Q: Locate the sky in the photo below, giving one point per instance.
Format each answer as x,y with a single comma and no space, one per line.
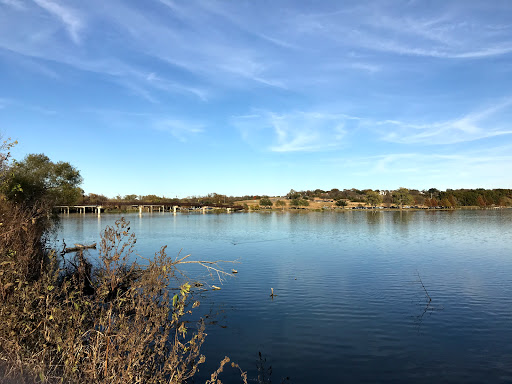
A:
184,98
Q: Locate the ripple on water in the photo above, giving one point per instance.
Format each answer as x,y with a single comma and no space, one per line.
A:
349,306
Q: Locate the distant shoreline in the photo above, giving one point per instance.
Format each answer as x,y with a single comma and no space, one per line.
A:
309,210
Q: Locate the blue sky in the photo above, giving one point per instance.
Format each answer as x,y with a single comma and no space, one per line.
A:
182,98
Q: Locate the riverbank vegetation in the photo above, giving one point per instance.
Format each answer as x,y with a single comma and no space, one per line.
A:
37,177
318,199
65,319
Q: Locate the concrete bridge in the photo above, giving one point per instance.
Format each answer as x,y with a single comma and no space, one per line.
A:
164,206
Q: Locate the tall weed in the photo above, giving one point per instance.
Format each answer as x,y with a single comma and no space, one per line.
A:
119,322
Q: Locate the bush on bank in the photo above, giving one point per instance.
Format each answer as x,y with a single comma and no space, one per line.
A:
61,320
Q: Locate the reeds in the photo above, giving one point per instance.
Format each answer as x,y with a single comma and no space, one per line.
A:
119,322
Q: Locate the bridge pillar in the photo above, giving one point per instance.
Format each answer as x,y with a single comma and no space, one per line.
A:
229,210
140,210
99,210
174,209
204,210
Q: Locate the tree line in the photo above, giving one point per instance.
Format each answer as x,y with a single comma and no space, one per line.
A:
432,197
37,178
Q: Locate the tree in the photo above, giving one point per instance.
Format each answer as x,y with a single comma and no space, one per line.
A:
481,201
445,203
419,200
402,197
151,198
373,198
433,192
505,201
293,195
266,202
334,193
452,200
36,178
299,202
5,157
93,198
341,203
281,204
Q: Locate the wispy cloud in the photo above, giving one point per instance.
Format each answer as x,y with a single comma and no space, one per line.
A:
98,54
16,4
204,48
166,85
473,126
485,167
294,132
461,168
452,30
446,34
180,129
68,17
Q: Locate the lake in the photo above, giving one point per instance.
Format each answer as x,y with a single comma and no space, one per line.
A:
352,291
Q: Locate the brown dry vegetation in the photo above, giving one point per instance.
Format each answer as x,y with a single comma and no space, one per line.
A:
313,204
117,323
64,321
120,325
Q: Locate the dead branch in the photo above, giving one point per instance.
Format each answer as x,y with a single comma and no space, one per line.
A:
425,289
79,247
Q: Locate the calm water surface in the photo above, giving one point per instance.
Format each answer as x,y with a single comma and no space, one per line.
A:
349,304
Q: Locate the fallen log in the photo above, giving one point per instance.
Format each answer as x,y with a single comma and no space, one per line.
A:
79,247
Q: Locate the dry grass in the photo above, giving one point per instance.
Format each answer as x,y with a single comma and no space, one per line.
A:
63,321
68,322
313,204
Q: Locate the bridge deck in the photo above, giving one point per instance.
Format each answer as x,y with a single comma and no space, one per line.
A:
113,204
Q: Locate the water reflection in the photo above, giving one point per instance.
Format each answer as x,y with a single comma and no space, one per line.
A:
426,305
402,217
345,298
374,217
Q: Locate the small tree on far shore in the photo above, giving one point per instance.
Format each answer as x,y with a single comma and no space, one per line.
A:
445,203
402,197
281,204
299,203
266,202
373,198
341,203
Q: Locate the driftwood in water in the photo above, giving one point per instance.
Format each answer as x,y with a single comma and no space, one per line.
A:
79,247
